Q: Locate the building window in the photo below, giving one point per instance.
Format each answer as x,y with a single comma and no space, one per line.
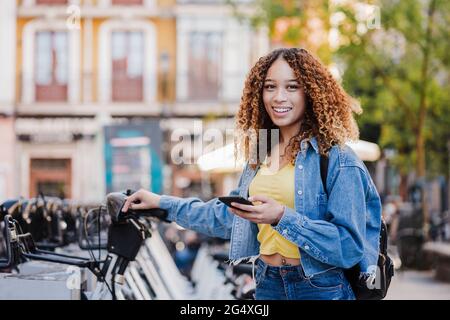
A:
51,73
127,65
126,2
205,53
51,2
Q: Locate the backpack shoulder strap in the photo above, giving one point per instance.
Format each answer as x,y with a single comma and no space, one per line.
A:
324,172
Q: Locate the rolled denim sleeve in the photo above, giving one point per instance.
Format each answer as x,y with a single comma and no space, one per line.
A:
338,241
211,218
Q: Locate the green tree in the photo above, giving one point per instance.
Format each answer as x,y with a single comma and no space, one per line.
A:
291,22
400,69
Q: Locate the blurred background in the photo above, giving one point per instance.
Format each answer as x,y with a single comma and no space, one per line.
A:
93,94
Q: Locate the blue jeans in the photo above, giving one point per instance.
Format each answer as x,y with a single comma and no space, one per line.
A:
290,283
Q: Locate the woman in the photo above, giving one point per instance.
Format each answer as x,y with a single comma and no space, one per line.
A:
301,235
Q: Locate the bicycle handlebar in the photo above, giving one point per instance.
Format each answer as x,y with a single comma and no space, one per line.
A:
115,202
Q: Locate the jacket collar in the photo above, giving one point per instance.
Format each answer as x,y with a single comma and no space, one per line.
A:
312,141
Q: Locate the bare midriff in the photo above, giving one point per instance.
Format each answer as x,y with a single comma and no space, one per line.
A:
277,260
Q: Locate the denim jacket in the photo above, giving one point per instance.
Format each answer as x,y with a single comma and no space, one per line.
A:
338,231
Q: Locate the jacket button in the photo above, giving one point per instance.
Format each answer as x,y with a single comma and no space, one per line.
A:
306,247
300,192
300,167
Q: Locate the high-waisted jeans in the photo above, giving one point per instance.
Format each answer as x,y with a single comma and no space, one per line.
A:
290,283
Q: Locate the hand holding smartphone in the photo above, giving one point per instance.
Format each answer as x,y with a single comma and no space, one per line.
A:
238,199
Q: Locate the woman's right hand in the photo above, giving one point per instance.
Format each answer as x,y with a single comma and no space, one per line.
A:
142,199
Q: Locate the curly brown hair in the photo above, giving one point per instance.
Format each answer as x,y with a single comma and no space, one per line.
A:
329,109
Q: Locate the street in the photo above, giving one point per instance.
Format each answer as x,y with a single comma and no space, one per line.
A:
417,285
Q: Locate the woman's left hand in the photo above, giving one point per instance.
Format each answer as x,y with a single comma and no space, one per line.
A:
269,211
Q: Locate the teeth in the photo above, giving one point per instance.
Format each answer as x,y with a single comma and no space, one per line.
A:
281,109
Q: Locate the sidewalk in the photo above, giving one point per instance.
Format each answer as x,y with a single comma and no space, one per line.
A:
417,285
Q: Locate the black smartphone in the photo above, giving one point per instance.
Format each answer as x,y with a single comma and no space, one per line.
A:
238,199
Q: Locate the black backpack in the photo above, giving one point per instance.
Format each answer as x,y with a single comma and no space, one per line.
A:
373,288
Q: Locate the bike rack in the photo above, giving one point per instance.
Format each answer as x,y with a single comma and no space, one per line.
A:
135,264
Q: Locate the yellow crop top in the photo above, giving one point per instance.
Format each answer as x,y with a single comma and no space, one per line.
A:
280,187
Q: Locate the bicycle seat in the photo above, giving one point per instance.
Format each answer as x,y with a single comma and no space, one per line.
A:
9,203
12,206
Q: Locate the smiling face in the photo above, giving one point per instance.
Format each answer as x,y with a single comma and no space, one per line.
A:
283,97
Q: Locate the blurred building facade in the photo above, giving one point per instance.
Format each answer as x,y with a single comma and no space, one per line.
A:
73,68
